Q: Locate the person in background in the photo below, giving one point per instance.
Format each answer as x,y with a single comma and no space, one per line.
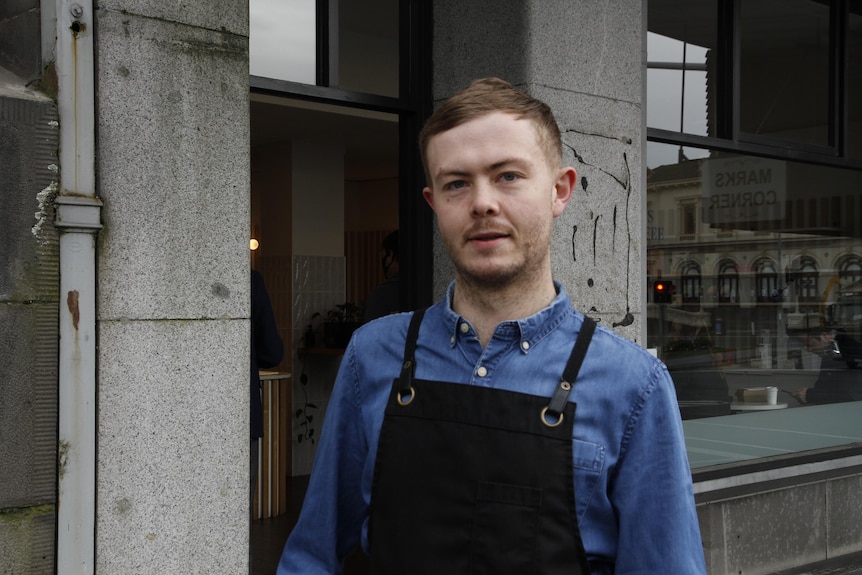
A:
267,351
384,299
500,430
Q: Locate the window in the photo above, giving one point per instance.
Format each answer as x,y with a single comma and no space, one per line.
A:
728,282
766,281
343,85
283,39
680,70
691,283
808,285
850,270
754,119
352,46
773,49
756,75
688,224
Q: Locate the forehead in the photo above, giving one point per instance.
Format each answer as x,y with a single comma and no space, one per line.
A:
487,138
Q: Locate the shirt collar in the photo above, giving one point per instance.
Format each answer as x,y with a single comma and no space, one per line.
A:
532,329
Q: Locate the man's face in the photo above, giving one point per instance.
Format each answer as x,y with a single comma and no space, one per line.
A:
496,194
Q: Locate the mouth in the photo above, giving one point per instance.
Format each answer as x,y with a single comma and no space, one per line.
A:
487,238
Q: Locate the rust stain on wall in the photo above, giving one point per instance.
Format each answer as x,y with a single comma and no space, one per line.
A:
72,304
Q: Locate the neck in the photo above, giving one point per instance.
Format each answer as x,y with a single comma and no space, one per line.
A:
486,307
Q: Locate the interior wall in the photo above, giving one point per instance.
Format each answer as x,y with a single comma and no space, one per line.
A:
371,205
318,199
318,276
271,217
371,213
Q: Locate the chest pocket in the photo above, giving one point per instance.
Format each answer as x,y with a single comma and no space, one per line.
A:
589,461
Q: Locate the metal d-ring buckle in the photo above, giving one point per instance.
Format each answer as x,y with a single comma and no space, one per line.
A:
407,377
409,400
549,423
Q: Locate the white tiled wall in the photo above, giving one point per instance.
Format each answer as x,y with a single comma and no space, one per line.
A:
318,285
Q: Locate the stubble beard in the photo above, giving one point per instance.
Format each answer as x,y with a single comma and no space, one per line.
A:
515,274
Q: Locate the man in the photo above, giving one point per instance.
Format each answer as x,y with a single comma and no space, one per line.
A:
384,299
495,450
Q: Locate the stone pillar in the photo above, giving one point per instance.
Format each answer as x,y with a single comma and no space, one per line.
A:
173,287
585,60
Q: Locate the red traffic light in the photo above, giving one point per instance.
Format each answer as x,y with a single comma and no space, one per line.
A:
662,291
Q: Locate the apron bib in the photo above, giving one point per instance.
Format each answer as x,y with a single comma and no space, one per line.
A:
473,480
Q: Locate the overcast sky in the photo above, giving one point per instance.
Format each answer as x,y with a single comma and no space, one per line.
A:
282,39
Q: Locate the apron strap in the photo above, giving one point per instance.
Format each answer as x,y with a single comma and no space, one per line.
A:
552,415
408,368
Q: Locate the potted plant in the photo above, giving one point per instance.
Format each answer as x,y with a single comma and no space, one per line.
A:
303,414
340,323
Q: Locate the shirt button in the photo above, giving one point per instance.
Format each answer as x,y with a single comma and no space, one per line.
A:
482,372
525,345
452,340
465,327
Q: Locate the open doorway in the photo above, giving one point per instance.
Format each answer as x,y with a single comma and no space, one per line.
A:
324,195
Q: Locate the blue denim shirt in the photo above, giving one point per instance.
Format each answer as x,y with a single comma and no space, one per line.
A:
633,490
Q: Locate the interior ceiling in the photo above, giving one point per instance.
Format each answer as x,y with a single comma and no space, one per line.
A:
370,140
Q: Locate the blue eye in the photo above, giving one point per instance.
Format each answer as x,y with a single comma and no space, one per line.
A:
509,177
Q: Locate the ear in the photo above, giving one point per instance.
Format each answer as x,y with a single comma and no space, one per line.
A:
566,179
429,196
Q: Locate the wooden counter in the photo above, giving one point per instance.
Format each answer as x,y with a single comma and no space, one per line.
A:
274,455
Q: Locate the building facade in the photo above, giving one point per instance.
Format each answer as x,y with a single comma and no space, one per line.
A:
153,141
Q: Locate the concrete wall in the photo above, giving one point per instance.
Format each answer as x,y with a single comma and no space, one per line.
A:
173,287
585,60
780,527
20,49
29,300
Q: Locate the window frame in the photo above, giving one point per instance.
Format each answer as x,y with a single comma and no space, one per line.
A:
729,137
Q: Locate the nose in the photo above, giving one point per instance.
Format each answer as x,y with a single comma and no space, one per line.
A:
484,200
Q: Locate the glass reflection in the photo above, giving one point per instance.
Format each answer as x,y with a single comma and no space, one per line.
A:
282,39
780,41
854,82
682,66
764,262
676,87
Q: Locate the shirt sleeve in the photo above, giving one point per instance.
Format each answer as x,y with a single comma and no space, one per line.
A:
652,490
333,511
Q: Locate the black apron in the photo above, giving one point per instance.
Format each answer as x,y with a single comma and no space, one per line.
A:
474,480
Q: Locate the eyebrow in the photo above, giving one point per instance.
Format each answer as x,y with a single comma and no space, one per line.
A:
456,172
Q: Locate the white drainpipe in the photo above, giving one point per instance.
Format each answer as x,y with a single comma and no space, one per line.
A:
78,214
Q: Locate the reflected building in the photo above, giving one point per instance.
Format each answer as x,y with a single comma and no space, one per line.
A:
758,252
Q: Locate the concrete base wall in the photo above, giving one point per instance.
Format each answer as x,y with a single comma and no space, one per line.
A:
783,528
29,278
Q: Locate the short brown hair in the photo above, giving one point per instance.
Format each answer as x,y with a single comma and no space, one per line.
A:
488,95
